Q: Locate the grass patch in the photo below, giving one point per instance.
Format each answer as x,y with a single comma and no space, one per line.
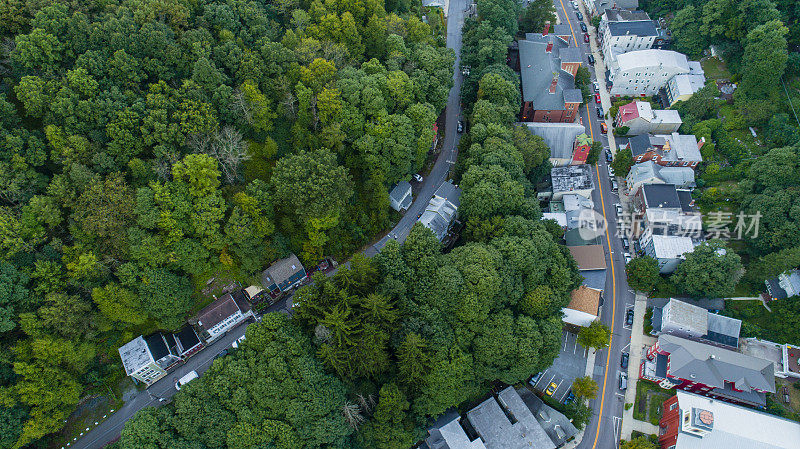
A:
715,68
649,398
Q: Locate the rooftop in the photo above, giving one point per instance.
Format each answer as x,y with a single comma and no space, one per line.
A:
643,143
653,58
595,279
558,136
713,366
538,68
736,427
505,422
584,299
557,426
281,270
604,5
442,209
589,257
685,315
572,201
401,193
134,355
680,176
663,196
623,15
217,311
571,178
637,28
683,147
670,246
573,237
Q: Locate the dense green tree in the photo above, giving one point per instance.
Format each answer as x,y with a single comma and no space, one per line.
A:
642,273
535,15
596,335
765,56
711,271
638,443
622,162
585,387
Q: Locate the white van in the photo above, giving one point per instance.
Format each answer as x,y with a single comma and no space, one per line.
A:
192,375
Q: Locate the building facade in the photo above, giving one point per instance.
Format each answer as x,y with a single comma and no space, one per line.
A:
221,316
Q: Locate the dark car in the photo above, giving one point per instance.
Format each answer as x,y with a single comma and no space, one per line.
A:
623,361
579,15
625,243
223,353
535,379
609,156
600,112
629,317
570,397
583,27
591,58
460,128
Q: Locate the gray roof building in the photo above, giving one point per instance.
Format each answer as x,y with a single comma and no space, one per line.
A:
690,321
400,196
540,67
624,15
505,422
639,28
603,5
442,210
663,196
557,426
572,178
283,274
560,137
714,366
785,285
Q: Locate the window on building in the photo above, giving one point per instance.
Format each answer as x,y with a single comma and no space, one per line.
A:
673,406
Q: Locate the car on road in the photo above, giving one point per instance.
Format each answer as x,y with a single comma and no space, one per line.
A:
192,375
222,353
610,172
614,185
600,112
627,257
625,243
603,128
609,156
583,28
590,57
623,381
579,15
460,127
597,98
629,317
596,86
551,389
586,37
623,361
418,177
618,208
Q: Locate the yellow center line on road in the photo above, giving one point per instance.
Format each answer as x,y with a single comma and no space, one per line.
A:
611,258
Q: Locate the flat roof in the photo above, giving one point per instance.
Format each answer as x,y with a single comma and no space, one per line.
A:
653,58
571,178
671,246
637,28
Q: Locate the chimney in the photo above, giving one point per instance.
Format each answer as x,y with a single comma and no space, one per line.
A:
700,144
546,30
554,83
549,47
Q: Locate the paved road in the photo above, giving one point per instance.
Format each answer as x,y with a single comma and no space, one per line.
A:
447,157
110,429
603,430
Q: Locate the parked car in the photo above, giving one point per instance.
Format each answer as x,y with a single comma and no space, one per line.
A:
579,15
609,156
623,361
625,243
603,128
418,177
618,208
535,379
610,172
570,397
551,389
586,37
222,353
583,27
192,375
460,127
596,86
597,98
613,185
574,4
629,317
600,112
623,381
627,257
590,57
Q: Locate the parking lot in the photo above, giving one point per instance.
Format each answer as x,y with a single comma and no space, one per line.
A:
569,365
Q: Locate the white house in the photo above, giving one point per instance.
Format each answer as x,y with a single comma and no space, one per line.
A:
623,36
645,72
682,87
400,197
668,250
442,210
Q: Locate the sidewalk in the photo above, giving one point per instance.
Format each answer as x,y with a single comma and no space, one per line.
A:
639,342
600,74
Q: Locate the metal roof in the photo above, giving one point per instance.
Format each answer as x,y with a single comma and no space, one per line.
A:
624,15
670,246
134,355
571,178
683,147
558,136
737,427
653,58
